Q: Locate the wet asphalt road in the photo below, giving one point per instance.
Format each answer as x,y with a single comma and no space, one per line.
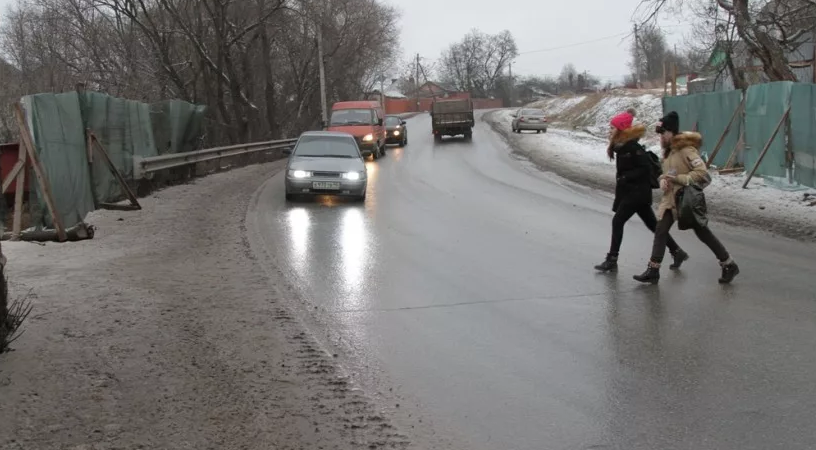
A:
465,283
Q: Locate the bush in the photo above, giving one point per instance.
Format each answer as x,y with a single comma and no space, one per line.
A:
12,314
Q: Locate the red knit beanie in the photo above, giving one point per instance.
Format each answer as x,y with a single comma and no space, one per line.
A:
622,121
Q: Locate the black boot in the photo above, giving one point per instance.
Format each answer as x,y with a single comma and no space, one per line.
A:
651,275
678,259
729,271
610,264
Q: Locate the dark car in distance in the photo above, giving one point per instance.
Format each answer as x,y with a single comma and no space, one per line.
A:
396,131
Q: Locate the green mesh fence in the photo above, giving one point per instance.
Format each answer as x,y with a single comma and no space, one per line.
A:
803,132
58,133
177,126
764,107
125,128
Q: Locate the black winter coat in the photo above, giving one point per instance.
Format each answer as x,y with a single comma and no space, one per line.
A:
633,187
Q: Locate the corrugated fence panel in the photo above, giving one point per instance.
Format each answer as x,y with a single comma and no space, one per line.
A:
803,132
764,107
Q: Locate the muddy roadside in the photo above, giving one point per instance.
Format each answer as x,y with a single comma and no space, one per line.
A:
721,207
162,332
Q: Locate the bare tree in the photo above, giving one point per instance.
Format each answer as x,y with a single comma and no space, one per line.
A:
567,76
767,29
477,63
253,63
648,52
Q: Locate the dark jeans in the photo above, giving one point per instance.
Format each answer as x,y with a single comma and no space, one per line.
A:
704,234
647,215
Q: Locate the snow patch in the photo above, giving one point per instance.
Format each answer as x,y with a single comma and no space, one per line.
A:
587,152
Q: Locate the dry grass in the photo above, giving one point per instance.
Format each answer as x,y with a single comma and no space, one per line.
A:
12,314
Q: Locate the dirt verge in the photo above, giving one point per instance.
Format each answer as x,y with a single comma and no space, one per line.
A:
163,332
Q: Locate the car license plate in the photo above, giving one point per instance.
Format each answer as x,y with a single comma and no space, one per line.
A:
325,185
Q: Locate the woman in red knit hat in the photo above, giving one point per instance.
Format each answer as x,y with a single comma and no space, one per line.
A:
633,189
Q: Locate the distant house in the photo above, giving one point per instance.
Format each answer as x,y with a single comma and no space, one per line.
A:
392,90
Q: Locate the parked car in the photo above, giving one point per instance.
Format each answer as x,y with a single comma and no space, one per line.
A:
396,130
364,121
529,119
326,162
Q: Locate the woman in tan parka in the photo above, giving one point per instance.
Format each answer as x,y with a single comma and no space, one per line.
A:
682,165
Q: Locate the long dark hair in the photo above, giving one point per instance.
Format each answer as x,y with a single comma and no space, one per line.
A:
610,150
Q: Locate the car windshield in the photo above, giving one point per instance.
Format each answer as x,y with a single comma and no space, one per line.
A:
352,117
532,112
327,147
392,121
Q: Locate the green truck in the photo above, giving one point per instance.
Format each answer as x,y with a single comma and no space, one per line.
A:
452,118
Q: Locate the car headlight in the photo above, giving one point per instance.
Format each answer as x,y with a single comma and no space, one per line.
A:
396,132
368,138
353,176
300,174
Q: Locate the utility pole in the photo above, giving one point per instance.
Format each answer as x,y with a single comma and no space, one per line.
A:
512,85
637,58
417,83
323,109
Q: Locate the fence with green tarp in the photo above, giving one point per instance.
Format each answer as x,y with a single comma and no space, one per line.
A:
791,153
803,133
177,126
709,114
125,128
59,136
764,107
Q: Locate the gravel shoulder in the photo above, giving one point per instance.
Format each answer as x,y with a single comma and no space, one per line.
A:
565,153
163,332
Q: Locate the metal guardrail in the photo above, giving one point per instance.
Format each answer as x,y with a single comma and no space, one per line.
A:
145,167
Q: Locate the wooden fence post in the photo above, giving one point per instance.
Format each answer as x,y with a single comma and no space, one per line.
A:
27,142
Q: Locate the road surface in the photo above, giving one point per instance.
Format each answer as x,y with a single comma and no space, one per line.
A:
464,290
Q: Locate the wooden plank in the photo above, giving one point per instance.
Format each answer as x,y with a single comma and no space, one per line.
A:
14,172
26,141
17,223
118,207
725,133
121,179
89,150
732,170
767,146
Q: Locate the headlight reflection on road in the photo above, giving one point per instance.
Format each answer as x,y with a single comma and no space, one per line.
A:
299,222
353,252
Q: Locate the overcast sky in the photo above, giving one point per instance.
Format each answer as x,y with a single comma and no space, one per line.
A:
429,26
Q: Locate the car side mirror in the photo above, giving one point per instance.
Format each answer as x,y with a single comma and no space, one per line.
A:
324,124
402,122
379,122
287,151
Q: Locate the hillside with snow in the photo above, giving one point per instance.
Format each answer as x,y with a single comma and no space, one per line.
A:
591,112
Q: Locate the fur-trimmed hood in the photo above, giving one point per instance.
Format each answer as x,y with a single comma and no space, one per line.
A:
632,133
687,139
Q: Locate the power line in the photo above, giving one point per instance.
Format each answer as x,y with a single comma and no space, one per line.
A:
576,44
625,34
